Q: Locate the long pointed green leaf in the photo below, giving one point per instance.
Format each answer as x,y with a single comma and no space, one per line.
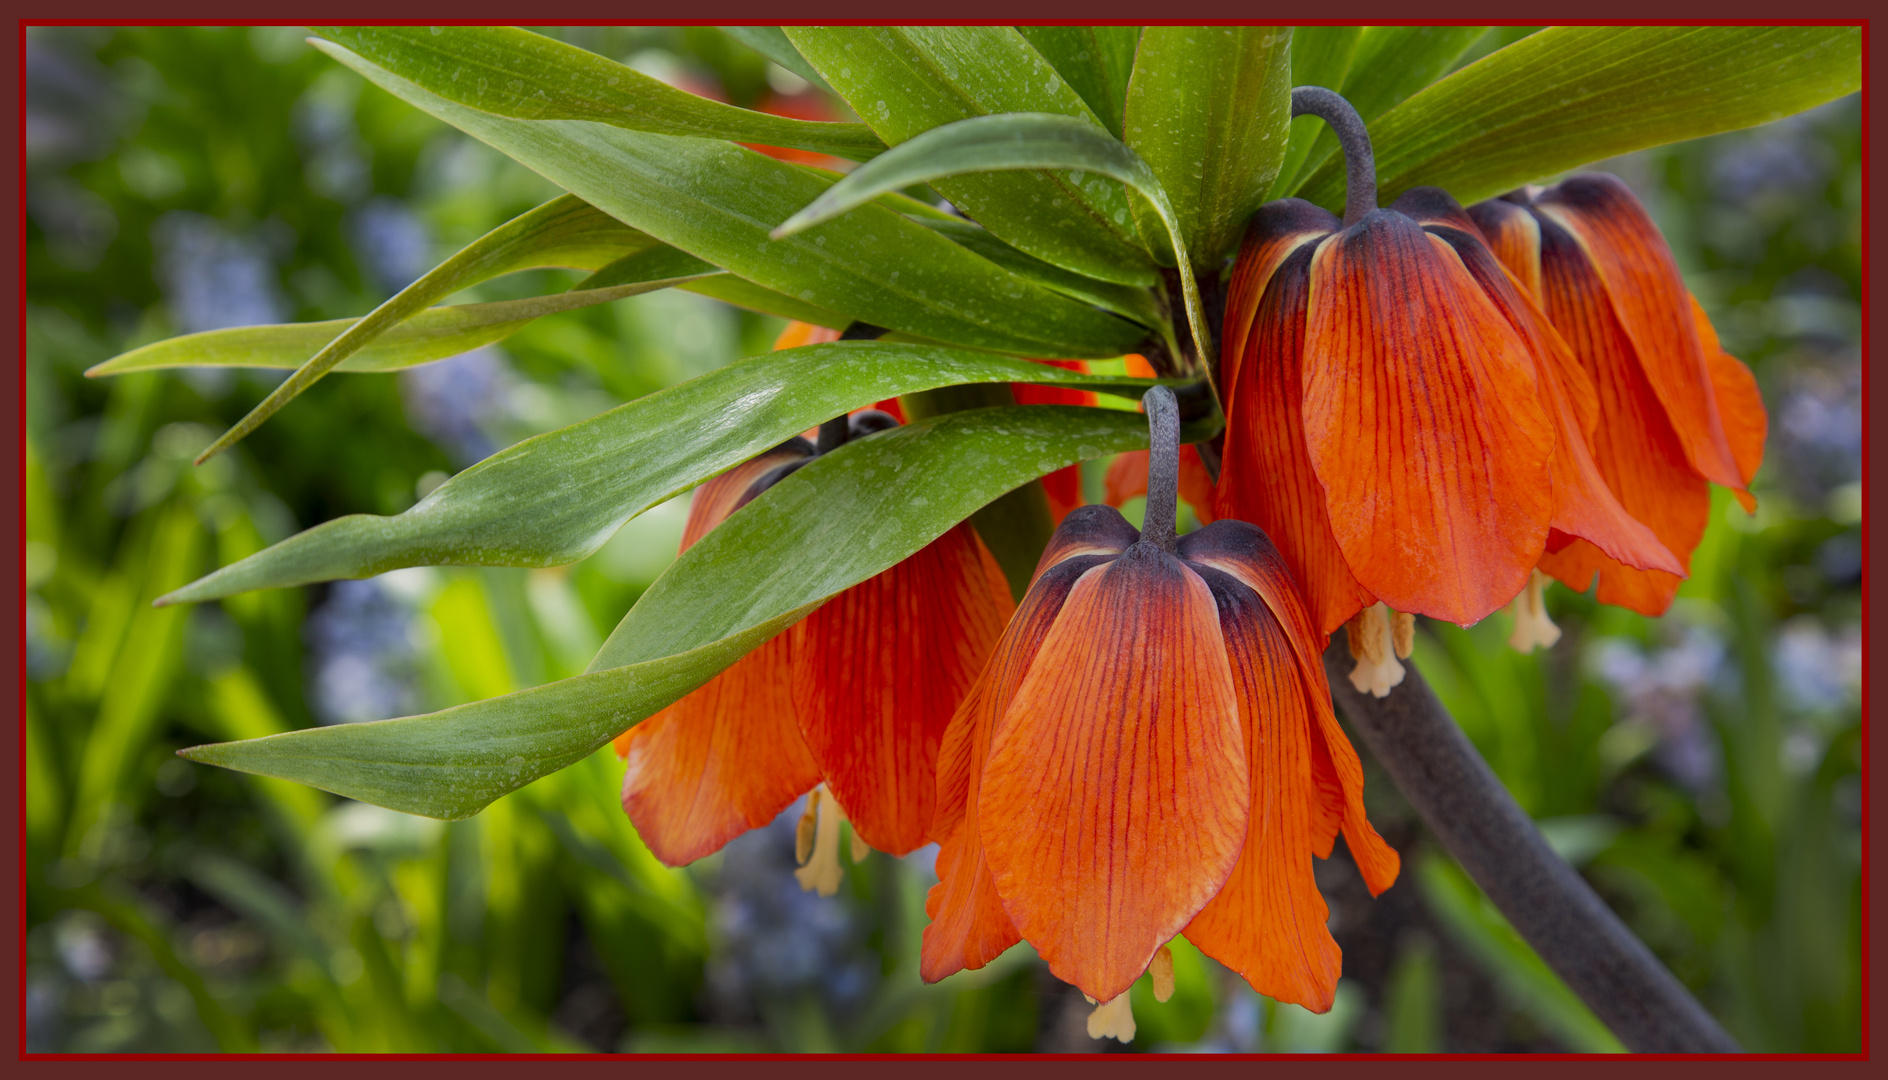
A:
433,334
905,80
1010,141
556,498
1096,61
845,517
1573,94
1209,110
1320,56
526,76
771,42
563,232
716,201
1390,64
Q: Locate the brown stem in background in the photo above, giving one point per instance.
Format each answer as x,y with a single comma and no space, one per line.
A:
1439,771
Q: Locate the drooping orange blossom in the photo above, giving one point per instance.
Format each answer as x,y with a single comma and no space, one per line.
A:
1673,412
1150,751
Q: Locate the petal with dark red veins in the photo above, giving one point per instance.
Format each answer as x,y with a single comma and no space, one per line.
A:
1115,798
1634,446
879,669
1276,231
1583,505
1746,421
1265,472
1429,206
1424,423
1247,554
1640,280
1268,922
969,927
725,759
1514,237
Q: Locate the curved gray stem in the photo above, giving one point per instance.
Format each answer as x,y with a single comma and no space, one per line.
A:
1158,523
1467,808
1360,165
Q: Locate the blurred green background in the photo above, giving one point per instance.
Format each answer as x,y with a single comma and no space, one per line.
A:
1702,769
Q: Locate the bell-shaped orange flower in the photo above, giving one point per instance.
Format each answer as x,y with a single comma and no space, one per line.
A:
1401,417
857,694
1672,412
1150,751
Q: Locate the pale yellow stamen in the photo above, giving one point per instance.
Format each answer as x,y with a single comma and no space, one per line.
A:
1532,628
816,843
1162,972
1373,645
1403,630
860,849
1112,1019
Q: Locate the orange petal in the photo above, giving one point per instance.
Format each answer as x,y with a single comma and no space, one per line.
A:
1583,505
1514,237
1424,422
725,759
1634,446
801,333
1746,422
714,500
1247,554
969,927
1268,922
1138,367
1265,473
1640,280
1115,799
877,672
1087,530
1279,228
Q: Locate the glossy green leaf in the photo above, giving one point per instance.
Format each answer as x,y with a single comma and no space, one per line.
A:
433,334
1390,64
905,80
1127,301
1095,60
526,76
563,232
717,201
771,42
1569,95
838,521
1010,141
556,498
1320,56
1208,109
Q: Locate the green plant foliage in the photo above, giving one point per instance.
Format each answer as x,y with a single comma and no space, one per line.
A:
1207,110
906,80
1096,60
556,498
711,199
1572,94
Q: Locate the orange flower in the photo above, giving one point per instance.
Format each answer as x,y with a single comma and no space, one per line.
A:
1671,411
856,694
1150,751
1402,418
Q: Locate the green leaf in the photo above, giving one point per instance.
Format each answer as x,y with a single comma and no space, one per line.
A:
1320,56
1390,64
526,76
556,498
716,201
1127,301
433,334
771,42
1208,110
841,519
1010,141
1095,60
1569,95
563,232
905,80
